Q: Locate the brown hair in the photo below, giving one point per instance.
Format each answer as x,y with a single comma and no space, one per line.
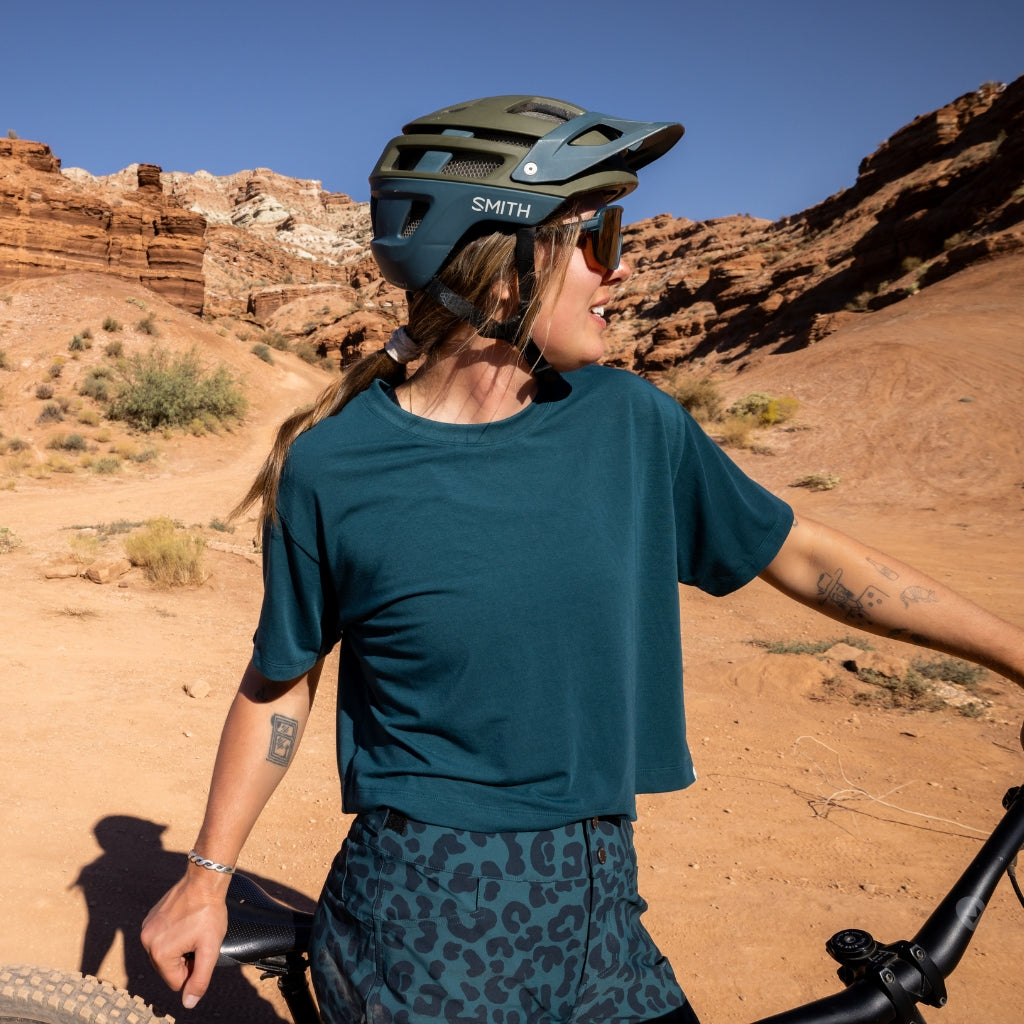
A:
476,273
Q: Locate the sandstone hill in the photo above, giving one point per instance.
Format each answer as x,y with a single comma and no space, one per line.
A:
837,811
256,251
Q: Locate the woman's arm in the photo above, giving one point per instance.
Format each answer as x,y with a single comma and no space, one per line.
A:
262,731
856,584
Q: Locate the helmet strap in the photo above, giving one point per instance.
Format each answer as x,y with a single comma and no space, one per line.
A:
502,330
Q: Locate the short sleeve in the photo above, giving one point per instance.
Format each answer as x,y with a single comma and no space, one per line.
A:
298,620
729,527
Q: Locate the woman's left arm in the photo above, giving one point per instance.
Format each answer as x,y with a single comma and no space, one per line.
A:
853,583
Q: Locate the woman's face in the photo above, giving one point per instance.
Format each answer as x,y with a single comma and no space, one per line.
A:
571,323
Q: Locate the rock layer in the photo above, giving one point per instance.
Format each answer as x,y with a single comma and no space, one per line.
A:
51,223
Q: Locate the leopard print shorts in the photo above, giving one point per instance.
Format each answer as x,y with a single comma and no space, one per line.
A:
419,923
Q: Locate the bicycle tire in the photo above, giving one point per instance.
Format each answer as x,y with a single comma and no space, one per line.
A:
34,995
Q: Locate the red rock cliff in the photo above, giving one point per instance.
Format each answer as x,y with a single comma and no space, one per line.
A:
50,224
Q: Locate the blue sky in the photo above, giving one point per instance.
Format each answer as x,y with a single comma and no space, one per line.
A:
780,98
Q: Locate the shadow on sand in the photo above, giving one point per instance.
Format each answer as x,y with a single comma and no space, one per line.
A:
121,885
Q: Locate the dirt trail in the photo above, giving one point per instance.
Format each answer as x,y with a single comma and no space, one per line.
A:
810,813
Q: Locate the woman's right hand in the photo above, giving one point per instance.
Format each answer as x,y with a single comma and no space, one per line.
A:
182,934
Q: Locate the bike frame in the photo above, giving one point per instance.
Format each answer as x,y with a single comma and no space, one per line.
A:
885,983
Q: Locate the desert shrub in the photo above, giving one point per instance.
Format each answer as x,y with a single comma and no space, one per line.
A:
952,670
80,342
17,444
114,349
97,384
912,691
169,556
52,413
767,410
811,646
5,362
8,540
88,417
158,389
111,326
275,339
44,391
817,481
263,352
698,396
735,431
58,464
105,465
67,443
147,325
311,352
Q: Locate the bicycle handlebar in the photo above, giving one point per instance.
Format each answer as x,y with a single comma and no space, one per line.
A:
886,982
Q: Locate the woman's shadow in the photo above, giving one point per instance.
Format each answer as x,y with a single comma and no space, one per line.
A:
121,885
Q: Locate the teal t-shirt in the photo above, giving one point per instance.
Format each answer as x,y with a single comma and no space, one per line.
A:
507,596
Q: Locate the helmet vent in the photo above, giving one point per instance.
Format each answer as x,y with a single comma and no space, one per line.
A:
544,111
417,211
470,167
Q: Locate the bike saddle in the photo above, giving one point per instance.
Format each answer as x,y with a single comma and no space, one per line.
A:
260,927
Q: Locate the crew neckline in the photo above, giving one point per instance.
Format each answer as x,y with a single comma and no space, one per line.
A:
382,402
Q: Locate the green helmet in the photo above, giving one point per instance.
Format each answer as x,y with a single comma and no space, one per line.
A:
497,164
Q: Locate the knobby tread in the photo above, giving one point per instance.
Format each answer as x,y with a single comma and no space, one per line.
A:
36,995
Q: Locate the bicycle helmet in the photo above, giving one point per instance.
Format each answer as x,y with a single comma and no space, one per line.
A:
496,164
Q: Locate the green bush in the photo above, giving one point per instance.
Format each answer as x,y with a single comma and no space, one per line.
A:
110,325
44,391
114,349
161,389
766,410
263,352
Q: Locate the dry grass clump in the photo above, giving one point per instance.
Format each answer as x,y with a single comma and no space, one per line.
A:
733,426
8,540
169,555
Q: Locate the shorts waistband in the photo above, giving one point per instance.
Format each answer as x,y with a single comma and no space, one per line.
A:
575,850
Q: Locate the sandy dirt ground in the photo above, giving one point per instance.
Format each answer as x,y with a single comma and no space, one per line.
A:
811,813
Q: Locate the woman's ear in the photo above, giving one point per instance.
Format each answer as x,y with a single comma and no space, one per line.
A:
507,296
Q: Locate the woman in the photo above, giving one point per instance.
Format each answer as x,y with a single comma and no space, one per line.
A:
498,539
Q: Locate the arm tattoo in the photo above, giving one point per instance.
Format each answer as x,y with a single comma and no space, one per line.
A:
283,733
889,574
918,595
855,607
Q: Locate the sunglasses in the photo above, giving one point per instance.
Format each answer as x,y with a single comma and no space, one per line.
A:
601,237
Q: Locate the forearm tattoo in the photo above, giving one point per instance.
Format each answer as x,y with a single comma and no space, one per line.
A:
854,607
283,734
911,595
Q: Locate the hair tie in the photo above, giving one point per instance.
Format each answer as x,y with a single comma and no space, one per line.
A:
401,347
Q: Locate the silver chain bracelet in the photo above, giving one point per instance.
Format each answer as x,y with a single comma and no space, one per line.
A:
210,865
